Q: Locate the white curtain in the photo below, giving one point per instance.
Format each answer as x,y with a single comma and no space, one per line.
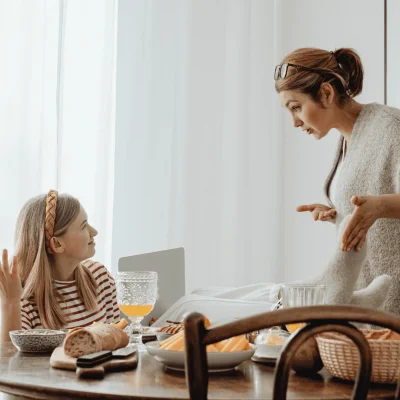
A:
198,154
57,107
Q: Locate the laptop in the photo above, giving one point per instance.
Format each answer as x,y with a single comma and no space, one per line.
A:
170,267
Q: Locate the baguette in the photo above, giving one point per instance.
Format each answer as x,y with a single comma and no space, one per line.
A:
95,338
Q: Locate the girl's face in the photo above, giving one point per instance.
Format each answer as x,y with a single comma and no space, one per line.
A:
78,241
308,115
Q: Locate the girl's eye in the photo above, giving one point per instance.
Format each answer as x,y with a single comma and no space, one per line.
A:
295,108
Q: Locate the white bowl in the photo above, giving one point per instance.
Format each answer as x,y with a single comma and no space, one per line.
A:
217,361
268,350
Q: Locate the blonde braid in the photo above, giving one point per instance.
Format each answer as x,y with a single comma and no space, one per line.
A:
50,218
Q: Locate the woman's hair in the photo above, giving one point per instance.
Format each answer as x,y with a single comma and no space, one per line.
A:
341,68
36,261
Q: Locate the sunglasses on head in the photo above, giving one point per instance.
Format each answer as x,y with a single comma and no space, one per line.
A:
282,69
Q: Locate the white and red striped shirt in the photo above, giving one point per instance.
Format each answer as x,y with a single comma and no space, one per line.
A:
73,307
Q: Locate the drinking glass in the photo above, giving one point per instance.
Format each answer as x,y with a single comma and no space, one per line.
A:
301,295
137,294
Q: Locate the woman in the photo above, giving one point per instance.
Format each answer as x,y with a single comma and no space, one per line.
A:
318,88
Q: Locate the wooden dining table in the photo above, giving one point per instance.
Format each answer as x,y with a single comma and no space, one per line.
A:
30,376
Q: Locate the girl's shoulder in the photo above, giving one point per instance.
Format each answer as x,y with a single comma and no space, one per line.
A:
98,270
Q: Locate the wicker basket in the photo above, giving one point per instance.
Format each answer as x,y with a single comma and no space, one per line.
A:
341,358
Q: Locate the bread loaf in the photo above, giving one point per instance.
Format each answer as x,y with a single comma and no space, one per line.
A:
95,338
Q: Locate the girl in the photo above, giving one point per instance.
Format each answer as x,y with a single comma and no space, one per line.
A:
61,287
318,87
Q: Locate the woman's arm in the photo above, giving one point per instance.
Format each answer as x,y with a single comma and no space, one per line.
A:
10,319
389,206
10,295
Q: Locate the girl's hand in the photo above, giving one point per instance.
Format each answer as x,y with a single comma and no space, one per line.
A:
10,282
320,212
367,211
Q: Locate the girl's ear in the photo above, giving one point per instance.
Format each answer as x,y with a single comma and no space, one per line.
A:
56,245
327,94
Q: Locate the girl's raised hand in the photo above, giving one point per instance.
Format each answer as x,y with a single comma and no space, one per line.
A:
10,282
320,212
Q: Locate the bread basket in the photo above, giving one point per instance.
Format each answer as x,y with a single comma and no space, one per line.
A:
340,356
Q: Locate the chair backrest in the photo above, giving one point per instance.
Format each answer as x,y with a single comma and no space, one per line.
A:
170,267
319,319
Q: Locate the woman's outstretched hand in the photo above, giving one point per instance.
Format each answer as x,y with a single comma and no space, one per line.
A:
320,212
10,282
366,212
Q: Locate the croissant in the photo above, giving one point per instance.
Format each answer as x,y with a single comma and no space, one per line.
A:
174,328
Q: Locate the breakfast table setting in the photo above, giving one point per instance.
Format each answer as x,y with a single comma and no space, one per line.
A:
128,361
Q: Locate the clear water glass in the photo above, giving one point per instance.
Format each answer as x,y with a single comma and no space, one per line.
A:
294,295
137,294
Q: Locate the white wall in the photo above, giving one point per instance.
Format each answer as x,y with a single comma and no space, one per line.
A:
358,24
142,167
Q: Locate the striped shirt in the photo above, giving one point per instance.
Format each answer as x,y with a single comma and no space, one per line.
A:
73,307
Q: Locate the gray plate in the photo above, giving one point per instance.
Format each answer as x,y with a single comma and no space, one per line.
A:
217,362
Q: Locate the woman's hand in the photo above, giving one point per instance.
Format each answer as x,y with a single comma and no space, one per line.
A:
10,282
367,211
320,212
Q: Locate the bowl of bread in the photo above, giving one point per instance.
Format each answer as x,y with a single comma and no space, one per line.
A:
222,356
341,358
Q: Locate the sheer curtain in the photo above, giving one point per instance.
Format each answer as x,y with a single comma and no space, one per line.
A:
198,154
56,105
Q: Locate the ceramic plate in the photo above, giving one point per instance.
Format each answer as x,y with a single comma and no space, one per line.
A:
217,362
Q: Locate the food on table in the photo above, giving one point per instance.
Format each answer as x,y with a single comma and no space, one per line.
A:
274,336
175,327
380,334
122,324
274,339
237,343
307,359
294,327
172,328
370,334
98,337
35,332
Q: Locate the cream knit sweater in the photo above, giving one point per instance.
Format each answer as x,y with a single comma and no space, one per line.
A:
371,167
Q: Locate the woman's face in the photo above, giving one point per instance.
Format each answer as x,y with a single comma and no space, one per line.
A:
308,115
78,241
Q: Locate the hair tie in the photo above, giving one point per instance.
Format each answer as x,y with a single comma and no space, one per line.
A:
50,217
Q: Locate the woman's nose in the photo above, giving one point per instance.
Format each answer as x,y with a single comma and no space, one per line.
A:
93,231
297,122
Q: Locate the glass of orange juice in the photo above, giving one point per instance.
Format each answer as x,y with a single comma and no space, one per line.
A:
137,294
301,295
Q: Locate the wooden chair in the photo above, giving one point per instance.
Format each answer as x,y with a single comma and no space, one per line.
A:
319,319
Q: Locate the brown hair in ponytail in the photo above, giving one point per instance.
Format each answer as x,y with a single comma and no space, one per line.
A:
36,261
342,69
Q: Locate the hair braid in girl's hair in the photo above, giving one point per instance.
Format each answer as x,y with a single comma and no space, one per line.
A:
50,219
